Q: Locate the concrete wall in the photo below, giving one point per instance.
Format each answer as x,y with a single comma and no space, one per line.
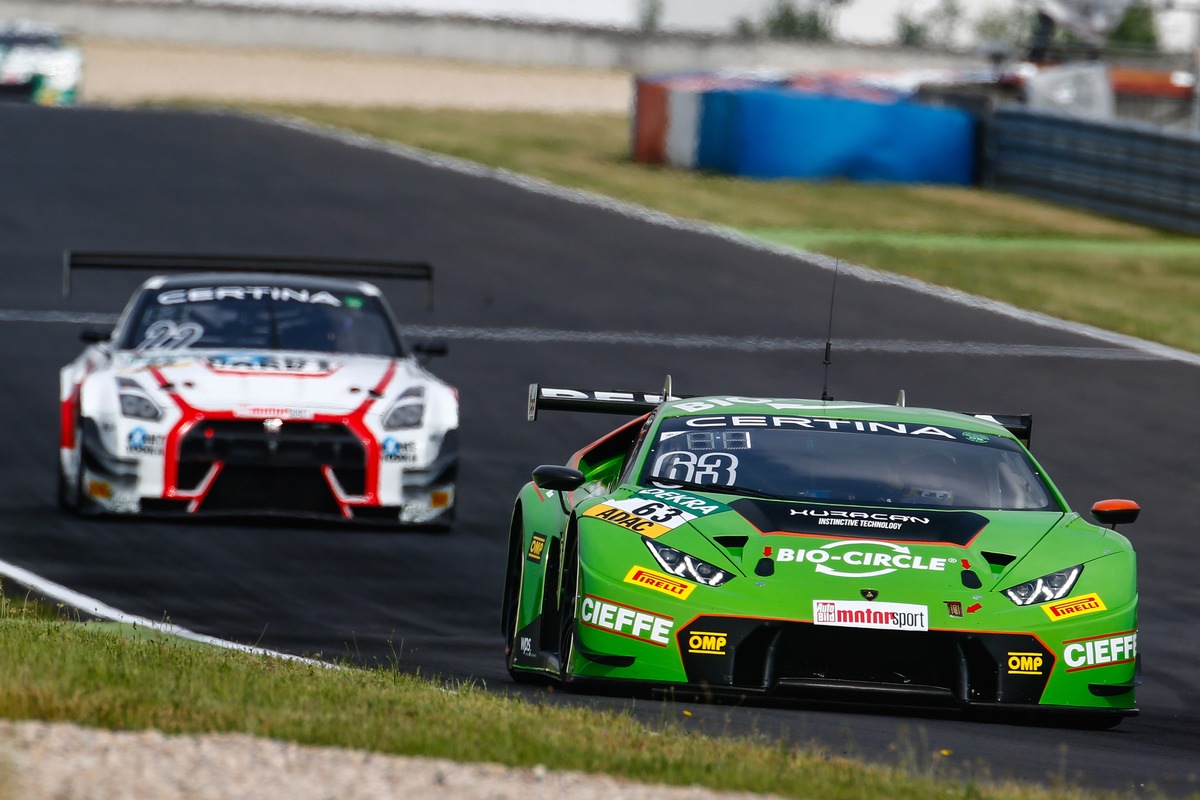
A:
457,38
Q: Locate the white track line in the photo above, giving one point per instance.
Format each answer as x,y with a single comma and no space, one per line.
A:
750,344
95,608
651,216
764,343
33,315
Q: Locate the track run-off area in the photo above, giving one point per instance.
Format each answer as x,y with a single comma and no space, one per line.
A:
535,284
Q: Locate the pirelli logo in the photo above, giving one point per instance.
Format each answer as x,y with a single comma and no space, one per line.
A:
1074,607
640,576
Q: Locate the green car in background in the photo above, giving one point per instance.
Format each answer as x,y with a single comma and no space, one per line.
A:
821,550
39,64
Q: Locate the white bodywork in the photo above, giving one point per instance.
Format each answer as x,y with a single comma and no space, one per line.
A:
35,55
409,470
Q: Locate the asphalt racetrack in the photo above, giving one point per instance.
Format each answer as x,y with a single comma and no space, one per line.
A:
535,287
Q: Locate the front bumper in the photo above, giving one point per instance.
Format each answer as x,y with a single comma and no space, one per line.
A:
1088,666
318,470
940,667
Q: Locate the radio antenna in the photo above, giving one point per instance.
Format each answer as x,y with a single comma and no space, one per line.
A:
825,396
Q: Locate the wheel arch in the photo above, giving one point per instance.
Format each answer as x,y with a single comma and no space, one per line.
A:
512,570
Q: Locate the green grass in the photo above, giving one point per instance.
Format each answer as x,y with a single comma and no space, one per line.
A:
60,670
1071,264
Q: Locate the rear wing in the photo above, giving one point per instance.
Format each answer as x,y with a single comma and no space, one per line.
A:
285,265
600,402
634,403
1019,425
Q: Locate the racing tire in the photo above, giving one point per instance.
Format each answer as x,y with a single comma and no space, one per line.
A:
512,604
70,490
68,494
570,600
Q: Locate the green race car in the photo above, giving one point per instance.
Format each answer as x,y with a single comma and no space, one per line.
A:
819,549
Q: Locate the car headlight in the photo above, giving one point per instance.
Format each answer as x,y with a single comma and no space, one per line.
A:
1054,586
407,411
135,402
682,565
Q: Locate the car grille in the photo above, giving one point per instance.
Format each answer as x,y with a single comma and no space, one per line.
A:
799,657
280,470
17,91
905,660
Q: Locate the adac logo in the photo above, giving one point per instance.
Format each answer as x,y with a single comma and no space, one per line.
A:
1074,606
537,546
650,518
707,642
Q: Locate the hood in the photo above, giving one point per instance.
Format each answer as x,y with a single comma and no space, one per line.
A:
256,384
886,546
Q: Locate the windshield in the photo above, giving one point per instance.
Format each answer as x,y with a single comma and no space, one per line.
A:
260,318
29,40
865,463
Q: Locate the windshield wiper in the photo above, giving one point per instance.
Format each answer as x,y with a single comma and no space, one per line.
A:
725,488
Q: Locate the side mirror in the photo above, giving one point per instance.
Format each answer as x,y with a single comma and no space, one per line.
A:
430,348
1115,512
556,478
93,336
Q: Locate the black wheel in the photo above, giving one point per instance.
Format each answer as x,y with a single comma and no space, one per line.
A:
67,497
519,675
70,489
510,616
569,601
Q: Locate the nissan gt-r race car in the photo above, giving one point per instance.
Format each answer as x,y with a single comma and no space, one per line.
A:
255,386
38,64
818,549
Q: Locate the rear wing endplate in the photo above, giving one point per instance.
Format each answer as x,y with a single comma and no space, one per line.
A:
350,268
1019,425
595,401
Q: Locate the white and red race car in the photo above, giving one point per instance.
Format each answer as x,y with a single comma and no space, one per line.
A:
257,386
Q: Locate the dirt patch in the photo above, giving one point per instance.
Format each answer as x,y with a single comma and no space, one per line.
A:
120,73
45,761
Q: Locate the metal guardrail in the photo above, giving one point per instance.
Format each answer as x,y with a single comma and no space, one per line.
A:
1124,169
